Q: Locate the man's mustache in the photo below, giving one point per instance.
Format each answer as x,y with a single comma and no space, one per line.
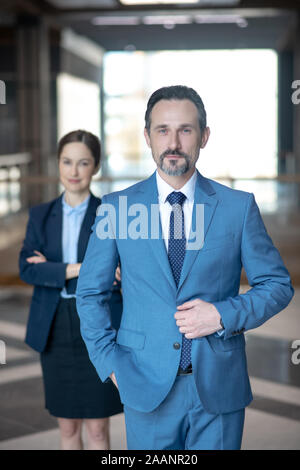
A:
176,153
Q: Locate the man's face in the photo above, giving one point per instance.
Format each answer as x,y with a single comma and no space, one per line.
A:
175,138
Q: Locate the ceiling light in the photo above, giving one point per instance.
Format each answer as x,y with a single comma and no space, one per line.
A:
116,20
167,19
221,19
153,2
186,2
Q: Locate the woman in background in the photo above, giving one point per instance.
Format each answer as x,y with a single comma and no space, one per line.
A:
54,247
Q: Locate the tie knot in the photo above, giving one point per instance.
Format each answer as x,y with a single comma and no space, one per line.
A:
176,197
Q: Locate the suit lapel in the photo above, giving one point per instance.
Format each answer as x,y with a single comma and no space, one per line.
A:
86,226
204,194
54,231
55,228
157,246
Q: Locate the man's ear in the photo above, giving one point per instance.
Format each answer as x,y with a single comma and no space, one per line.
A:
204,137
147,137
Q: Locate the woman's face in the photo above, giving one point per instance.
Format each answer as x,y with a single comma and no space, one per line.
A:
76,167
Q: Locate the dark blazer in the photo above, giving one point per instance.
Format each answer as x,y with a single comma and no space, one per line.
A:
44,233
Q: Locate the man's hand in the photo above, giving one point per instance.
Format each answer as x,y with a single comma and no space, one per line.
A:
197,318
117,275
113,378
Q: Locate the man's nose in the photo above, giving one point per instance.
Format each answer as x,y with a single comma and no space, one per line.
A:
174,142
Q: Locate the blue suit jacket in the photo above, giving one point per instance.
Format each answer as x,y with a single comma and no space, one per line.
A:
44,233
142,352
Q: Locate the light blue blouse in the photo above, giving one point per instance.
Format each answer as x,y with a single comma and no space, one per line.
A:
72,221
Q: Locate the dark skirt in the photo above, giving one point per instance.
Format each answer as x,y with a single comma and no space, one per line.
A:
72,386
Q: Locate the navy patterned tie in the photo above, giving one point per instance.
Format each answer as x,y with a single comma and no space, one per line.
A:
176,253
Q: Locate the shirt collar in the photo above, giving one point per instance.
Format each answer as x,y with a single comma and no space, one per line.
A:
164,189
67,209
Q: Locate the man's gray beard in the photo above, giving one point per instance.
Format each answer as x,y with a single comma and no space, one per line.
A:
173,169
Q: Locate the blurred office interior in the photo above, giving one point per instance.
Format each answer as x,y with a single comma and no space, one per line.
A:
92,64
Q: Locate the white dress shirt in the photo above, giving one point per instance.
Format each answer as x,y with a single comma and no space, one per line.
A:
72,221
165,208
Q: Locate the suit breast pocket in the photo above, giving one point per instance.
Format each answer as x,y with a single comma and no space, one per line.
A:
217,242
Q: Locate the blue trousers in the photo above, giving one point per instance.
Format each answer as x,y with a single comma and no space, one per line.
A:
181,423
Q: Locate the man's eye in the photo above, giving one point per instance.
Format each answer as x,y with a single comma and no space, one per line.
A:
187,131
162,131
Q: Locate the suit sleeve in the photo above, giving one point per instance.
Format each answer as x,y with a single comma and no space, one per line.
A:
271,289
48,274
93,292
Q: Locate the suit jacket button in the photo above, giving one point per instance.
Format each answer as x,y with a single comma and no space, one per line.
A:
176,346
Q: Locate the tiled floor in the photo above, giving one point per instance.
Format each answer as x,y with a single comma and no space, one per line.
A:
272,419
